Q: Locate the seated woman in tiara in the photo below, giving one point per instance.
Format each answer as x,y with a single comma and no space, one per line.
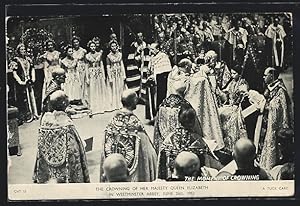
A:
231,118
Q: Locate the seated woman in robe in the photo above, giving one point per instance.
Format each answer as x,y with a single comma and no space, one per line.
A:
234,85
231,118
61,155
125,134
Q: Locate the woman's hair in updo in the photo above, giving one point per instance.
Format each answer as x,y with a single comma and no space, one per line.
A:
113,42
75,38
19,47
48,41
96,39
66,48
90,43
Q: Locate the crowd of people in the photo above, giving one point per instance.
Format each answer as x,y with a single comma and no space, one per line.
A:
209,121
191,35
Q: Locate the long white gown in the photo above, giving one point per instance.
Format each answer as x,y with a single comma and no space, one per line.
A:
117,75
51,61
72,85
96,85
79,55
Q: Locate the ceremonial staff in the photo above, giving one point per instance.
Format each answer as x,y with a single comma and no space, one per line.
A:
220,48
249,52
244,62
175,45
22,31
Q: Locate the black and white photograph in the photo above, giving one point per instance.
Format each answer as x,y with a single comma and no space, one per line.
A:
160,105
